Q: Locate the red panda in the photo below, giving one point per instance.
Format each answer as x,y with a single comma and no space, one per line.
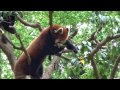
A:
51,41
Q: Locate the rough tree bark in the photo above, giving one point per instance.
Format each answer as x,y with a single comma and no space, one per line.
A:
7,48
48,71
115,67
96,49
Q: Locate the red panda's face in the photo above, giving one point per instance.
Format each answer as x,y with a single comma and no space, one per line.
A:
60,34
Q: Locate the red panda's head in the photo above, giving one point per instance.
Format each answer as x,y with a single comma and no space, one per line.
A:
60,34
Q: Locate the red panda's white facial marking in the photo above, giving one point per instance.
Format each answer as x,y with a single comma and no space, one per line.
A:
61,36
59,30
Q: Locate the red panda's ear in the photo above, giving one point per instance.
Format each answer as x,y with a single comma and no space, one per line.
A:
59,31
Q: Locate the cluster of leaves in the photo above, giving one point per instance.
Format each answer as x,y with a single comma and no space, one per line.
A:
105,58
86,22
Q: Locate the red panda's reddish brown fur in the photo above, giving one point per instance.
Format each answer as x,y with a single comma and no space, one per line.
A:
38,49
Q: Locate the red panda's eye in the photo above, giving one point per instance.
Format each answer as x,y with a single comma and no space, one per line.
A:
67,29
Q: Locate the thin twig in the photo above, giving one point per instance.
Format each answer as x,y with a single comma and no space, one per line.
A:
23,48
36,25
74,34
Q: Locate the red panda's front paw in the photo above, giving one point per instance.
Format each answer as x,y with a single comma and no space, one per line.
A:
75,50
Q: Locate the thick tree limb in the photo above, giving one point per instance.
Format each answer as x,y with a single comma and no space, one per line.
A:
6,45
8,50
95,69
20,48
7,40
37,25
54,64
96,49
102,43
48,72
115,67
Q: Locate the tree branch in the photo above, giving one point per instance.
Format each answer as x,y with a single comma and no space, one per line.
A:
7,40
50,18
36,25
7,49
48,72
95,69
102,43
23,48
115,67
74,34
96,49
19,48
93,35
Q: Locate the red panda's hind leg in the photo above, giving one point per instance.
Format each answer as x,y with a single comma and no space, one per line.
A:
38,74
22,76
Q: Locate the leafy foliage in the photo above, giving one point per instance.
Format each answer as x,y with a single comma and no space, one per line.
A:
86,22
